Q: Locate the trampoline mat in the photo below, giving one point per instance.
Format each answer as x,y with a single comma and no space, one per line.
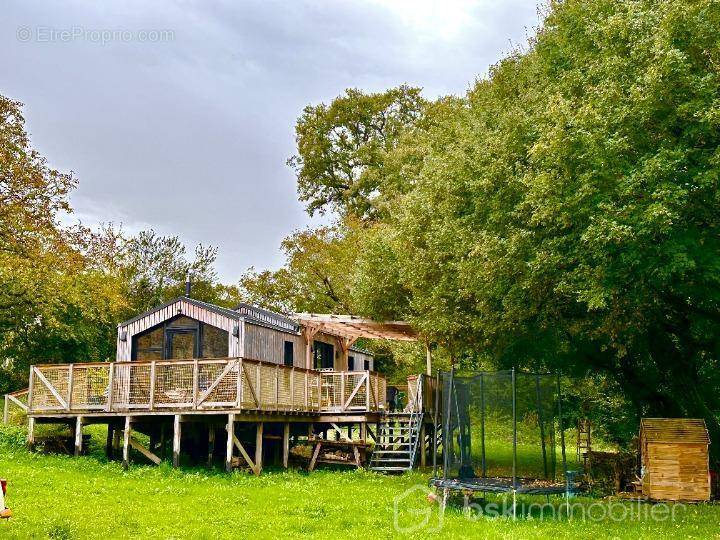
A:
530,486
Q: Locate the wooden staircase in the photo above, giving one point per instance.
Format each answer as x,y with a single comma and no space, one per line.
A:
398,437
397,443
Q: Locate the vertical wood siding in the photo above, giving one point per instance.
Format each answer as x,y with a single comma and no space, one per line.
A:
268,344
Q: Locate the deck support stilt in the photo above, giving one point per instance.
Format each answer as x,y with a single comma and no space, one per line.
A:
211,444
126,444
423,447
117,432
163,442
259,448
78,435
311,430
31,432
286,444
363,431
229,447
176,441
109,441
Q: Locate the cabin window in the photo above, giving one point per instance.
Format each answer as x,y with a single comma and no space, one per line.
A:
351,363
323,355
367,365
214,342
288,353
180,338
149,345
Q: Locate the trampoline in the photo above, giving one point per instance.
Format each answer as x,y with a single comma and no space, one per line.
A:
502,432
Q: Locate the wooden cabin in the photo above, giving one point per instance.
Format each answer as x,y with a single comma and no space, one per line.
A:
226,373
675,459
188,328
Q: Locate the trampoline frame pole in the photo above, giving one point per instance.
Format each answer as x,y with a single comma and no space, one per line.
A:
514,415
562,443
446,428
482,423
436,412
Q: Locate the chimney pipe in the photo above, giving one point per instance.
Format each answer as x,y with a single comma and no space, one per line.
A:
188,284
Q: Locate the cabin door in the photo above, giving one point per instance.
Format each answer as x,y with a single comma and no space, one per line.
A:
181,344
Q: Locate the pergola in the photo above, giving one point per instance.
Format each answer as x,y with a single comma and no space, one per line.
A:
350,328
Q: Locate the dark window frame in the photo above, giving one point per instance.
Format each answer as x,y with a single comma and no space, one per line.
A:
288,353
169,329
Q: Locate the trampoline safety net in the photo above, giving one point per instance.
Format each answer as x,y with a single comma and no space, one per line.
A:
501,431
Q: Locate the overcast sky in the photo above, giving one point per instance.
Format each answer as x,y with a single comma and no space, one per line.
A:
186,128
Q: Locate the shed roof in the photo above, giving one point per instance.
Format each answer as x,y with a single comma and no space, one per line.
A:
356,327
675,430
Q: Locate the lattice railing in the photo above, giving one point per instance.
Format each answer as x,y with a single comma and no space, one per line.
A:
15,407
207,384
352,391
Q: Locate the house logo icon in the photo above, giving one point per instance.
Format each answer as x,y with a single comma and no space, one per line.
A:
412,512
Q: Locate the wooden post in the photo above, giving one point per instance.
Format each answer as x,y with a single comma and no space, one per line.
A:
363,431
176,441
152,385
116,442
70,387
196,372
423,447
109,441
259,448
163,441
311,430
78,435
31,432
428,360
211,444
229,447
286,444
126,444
111,377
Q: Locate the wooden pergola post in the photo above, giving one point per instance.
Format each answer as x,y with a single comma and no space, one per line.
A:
428,359
176,440
345,343
309,333
229,448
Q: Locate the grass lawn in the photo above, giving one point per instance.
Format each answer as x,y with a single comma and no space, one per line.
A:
88,497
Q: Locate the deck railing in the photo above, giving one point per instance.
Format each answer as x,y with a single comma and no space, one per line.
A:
343,391
197,385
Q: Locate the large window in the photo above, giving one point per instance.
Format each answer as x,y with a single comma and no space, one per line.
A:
214,342
324,355
180,337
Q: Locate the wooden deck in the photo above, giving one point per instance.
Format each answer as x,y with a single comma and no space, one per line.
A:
202,386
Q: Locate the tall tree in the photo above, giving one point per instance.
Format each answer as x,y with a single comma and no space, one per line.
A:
341,147
54,304
571,220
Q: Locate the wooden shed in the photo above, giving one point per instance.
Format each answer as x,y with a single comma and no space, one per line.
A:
675,460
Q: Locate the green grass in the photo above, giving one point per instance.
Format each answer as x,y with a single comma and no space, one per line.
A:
64,497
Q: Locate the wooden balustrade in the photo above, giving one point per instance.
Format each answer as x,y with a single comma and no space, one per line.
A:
200,384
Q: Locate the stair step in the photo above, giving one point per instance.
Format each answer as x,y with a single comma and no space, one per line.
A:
390,469
390,452
392,460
